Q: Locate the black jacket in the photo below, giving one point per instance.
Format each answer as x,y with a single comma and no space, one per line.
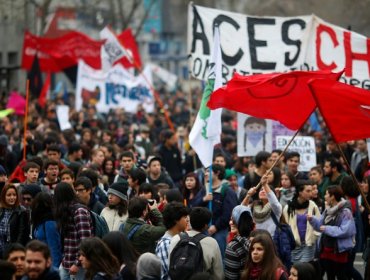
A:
19,225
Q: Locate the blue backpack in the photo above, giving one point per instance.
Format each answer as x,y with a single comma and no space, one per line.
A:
284,241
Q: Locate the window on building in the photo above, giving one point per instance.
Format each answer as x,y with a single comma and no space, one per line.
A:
12,58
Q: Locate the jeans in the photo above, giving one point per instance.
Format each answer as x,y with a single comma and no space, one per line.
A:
64,274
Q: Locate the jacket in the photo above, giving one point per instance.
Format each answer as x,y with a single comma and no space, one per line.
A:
112,218
49,274
223,203
146,236
344,230
19,225
311,235
48,233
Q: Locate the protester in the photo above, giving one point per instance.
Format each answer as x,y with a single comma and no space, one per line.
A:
212,260
288,188
136,177
7,270
16,254
75,224
338,230
262,261
142,235
148,267
231,176
303,271
44,226
98,261
115,213
124,252
295,214
192,190
241,225
83,188
156,174
127,161
175,219
38,262
14,223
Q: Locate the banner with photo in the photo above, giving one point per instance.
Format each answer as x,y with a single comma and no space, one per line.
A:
254,44
304,145
253,135
117,88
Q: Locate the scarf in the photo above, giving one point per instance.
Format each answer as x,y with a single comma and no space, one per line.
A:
333,212
255,271
295,205
261,214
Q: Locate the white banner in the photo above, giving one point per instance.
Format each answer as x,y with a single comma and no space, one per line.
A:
252,44
116,88
304,145
253,135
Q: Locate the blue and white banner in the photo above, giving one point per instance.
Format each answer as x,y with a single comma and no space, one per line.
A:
117,88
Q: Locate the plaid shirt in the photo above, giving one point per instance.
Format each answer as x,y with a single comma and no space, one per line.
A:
162,252
78,228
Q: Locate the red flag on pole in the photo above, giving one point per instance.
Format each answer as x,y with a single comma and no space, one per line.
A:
282,97
44,91
345,109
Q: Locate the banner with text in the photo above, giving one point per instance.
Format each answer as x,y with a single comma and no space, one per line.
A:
117,88
252,44
304,145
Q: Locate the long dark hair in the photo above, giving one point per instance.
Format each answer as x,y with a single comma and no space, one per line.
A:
185,191
64,197
294,204
122,249
3,203
100,257
42,208
270,262
121,207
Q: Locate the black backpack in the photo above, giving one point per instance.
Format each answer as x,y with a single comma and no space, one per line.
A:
186,258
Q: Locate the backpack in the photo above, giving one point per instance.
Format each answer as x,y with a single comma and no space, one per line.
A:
99,225
132,232
186,258
284,241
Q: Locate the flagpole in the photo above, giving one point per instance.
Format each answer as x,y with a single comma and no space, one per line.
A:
26,120
156,95
353,177
210,187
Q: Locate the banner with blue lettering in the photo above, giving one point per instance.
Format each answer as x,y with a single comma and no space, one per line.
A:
256,44
117,88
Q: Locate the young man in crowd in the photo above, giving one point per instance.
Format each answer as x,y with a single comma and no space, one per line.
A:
136,177
292,161
67,175
16,254
94,178
155,173
38,262
142,235
200,218
51,179
83,189
175,218
127,161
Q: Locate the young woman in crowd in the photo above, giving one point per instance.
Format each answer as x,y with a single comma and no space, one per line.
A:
98,261
287,190
262,261
338,230
75,224
266,206
295,214
109,171
124,252
115,214
44,226
192,190
303,271
14,226
241,225
315,197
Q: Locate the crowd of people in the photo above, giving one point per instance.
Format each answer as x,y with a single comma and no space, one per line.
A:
123,196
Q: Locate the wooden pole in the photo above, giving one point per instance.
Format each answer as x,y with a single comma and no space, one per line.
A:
26,120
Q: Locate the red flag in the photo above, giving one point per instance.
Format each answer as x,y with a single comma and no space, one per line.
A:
346,109
44,91
128,42
282,97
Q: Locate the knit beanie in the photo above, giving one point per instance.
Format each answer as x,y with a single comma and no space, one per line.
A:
118,189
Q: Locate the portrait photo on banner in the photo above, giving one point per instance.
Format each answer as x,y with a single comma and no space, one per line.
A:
254,135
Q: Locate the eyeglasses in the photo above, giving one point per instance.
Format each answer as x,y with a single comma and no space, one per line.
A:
79,190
